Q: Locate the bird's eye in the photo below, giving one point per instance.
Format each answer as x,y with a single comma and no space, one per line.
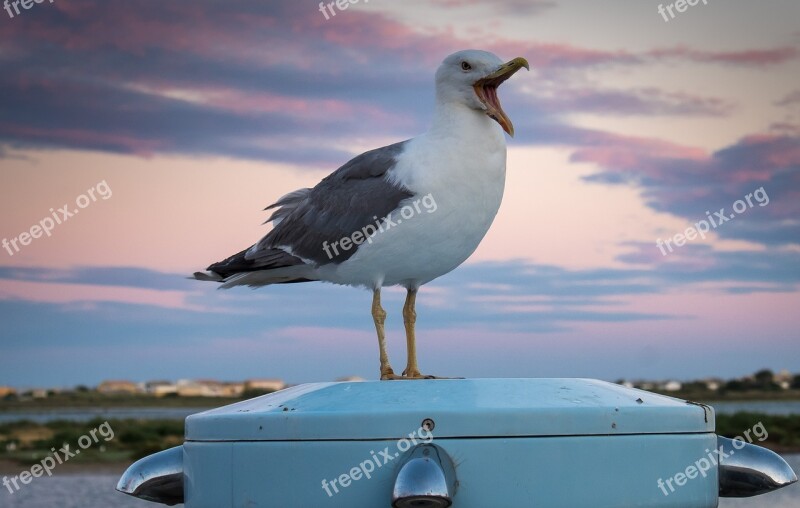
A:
465,66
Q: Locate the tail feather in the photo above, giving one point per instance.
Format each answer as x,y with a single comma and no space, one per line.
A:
273,266
260,278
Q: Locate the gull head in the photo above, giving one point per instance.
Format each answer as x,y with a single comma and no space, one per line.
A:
471,77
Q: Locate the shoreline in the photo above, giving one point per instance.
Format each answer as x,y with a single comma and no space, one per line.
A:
205,403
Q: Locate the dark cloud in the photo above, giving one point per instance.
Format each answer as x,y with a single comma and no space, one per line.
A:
514,296
791,99
524,300
746,58
756,180
272,80
480,292
637,102
746,271
509,7
129,277
275,81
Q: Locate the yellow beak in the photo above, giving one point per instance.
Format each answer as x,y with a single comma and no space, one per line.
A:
486,90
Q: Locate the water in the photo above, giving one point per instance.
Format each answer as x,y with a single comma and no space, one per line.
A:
97,491
770,407
86,414
72,491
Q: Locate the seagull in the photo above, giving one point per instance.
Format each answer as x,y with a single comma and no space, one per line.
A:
400,215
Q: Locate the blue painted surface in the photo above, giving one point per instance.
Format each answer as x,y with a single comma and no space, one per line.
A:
515,443
460,407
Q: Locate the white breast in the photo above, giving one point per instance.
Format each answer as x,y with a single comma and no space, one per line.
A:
458,177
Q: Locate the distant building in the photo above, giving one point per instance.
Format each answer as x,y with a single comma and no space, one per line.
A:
192,388
7,390
267,385
160,388
713,384
784,379
209,388
350,379
232,389
39,393
672,386
118,387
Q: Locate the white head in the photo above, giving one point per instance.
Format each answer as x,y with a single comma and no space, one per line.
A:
471,78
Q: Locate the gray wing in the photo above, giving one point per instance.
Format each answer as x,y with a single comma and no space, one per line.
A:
355,195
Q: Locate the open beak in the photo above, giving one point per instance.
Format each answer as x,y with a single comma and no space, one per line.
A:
486,90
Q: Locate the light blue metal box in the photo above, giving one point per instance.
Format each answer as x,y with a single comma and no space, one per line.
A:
466,443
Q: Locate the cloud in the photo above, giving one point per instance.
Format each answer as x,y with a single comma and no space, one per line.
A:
520,294
513,7
129,277
691,186
80,297
564,99
732,271
275,81
199,331
745,58
791,99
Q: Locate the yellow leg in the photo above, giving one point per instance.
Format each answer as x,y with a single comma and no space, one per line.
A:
409,320
379,316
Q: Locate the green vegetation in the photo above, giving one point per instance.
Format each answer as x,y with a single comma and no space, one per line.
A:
762,385
783,431
709,396
29,442
81,399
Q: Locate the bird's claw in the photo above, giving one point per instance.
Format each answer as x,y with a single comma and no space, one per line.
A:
409,376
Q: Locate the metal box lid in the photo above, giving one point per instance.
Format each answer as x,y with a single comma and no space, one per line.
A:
458,408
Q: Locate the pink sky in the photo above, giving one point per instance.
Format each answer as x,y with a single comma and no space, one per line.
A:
628,130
